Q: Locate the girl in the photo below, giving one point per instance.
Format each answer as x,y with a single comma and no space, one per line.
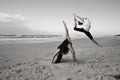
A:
64,48
86,25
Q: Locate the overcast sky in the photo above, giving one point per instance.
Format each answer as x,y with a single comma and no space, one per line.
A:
46,16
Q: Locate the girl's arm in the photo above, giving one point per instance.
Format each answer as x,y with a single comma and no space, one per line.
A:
79,18
56,53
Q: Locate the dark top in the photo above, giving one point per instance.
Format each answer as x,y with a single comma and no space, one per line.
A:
64,46
86,32
80,23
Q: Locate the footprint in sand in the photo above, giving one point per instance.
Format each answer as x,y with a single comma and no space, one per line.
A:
40,68
8,60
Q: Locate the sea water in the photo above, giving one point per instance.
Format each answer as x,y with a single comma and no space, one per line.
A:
41,39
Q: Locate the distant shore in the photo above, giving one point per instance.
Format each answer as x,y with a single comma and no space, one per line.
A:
13,39
28,36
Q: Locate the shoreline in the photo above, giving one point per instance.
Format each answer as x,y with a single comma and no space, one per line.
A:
40,40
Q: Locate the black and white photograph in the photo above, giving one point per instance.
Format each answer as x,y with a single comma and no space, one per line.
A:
59,39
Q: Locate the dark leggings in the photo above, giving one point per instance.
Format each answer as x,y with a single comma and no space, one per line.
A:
86,32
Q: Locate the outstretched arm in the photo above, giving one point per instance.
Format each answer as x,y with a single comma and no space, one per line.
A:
56,53
78,17
67,33
75,25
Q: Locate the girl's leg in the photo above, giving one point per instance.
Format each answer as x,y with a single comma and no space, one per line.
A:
79,29
92,39
88,34
96,43
73,53
67,33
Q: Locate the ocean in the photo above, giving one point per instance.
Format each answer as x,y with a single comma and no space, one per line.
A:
34,39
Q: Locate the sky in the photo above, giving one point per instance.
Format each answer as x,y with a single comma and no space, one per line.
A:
46,16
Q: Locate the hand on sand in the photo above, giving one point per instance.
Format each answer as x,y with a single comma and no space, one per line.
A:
52,61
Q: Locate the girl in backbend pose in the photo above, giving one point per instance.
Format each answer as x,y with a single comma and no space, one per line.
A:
64,48
86,25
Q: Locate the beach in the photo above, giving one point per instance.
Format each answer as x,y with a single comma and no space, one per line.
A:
32,61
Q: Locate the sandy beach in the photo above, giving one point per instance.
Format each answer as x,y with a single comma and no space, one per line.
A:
32,61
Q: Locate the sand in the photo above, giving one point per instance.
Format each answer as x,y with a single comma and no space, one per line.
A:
32,61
